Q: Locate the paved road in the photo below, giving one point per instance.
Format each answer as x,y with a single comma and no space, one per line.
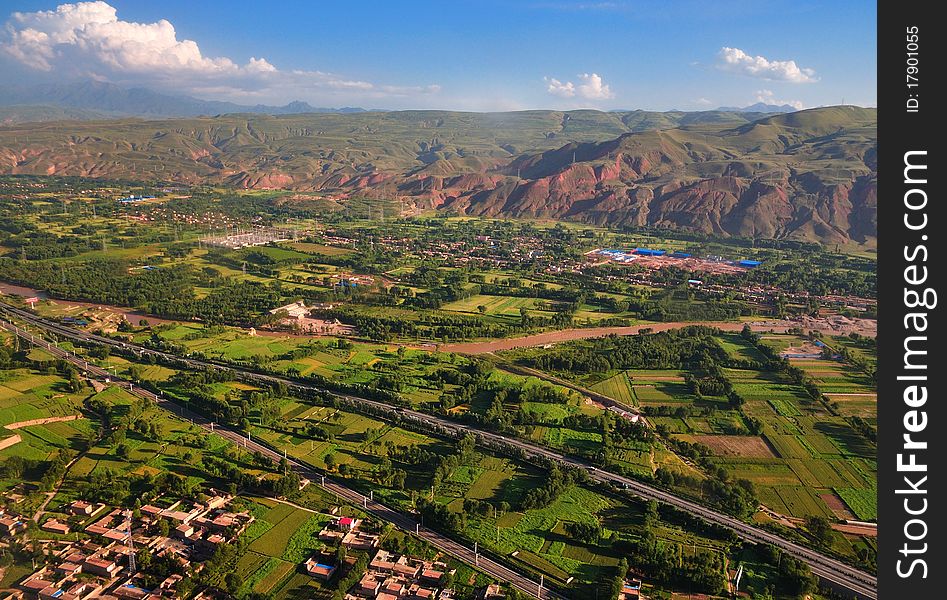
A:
831,570
376,509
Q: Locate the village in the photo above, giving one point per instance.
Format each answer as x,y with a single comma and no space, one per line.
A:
92,553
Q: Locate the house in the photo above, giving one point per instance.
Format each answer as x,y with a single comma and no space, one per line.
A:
184,531
493,592
368,586
295,310
100,566
394,587
359,540
35,585
431,575
416,592
83,589
317,568
81,508
68,568
387,562
170,582
131,592
10,525
51,592
150,510
224,521
347,523
630,590
116,535
54,526
179,516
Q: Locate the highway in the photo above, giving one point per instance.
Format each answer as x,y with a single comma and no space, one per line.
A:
831,570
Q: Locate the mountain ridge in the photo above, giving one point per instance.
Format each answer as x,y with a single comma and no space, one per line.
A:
808,174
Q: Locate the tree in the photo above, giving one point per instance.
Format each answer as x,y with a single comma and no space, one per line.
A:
233,581
330,461
398,478
820,528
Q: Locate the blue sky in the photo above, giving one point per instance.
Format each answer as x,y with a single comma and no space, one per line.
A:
465,55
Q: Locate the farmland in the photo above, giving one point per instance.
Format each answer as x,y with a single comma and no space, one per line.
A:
801,455
722,420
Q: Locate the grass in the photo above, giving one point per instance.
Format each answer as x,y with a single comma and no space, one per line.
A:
304,541
275,541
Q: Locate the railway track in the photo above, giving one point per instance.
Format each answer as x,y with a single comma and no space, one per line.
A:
836,572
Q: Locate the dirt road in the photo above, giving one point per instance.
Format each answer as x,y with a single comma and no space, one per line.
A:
826,325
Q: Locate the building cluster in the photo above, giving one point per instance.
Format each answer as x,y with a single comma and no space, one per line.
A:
101,564
397,577
651,258
256,237
297,317
347,532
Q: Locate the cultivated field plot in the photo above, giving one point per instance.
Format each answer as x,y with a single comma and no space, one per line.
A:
618,388
739,348
311,248
734,445
782,342
497,306
282,537
538,537
856,405
662,392
862,502
834,377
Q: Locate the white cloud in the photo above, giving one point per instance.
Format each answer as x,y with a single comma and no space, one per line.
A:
558,88
703,102
88,39
591,86
735,60
768,97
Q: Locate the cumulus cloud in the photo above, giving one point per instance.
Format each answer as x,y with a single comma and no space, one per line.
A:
591,86
768,97
88,39
735,60
558,88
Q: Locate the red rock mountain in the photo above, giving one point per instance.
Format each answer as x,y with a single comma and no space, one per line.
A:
809,175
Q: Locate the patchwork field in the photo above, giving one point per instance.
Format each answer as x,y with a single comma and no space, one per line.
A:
731,445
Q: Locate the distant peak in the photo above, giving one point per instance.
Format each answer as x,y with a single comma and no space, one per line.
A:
760,107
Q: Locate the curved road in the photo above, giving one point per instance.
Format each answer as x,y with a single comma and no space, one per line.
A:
829,569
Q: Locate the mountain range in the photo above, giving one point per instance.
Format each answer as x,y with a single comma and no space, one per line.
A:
805,175
98,100
761,107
